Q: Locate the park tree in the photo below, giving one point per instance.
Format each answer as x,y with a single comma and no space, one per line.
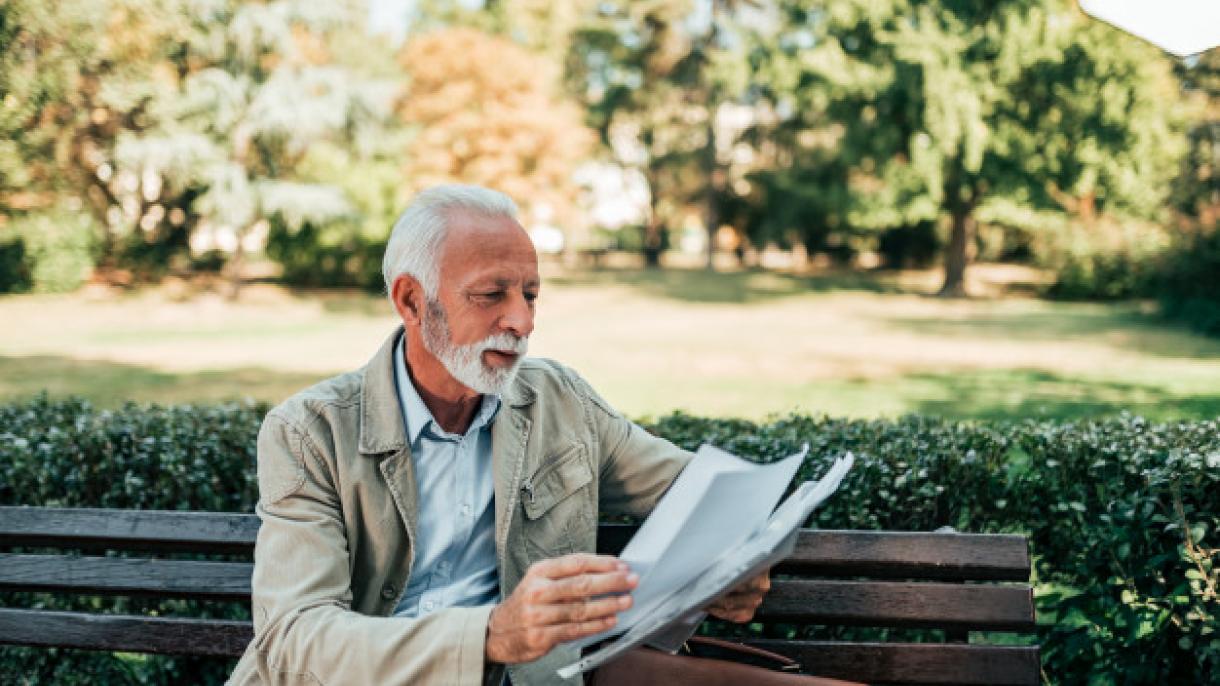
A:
1197,192
256,88
957,111
655,78
482,109
75,77
165,120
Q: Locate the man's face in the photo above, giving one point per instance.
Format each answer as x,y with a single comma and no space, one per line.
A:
483,314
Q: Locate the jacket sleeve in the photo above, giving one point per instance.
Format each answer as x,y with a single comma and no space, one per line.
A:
304,628
636,467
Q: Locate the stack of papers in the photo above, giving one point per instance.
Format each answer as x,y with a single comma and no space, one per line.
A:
713,529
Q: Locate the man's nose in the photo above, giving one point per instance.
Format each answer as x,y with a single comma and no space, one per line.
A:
519,319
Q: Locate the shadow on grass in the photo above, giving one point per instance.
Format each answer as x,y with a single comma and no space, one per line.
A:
110,384
742,287
1122,325
1025,394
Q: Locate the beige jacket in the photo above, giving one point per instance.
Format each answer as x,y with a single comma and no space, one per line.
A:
338,508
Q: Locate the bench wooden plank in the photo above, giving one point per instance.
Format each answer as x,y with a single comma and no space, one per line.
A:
122,576
887,554
156,530
901,604
913,663
897,663
44,628
858,603
915,555
876,554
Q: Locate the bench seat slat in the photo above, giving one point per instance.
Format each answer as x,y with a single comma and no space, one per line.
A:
155,530
44,628
121,576
913,663
900,604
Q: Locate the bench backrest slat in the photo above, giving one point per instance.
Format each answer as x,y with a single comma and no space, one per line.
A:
154,530
915,663
913,555
124,576
856,603
900,604
877,554
207,637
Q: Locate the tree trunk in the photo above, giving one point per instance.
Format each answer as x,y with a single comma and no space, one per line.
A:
956,256
715,179
235,265
653,242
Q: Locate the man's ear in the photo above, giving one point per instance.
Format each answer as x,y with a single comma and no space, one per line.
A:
409,300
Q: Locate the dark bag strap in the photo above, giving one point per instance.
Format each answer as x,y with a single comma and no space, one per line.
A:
720,649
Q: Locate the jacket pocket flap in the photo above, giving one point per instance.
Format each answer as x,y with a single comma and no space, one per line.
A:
555,480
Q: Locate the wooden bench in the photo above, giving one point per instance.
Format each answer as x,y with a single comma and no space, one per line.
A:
950,582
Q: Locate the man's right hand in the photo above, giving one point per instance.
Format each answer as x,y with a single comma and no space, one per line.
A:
556,602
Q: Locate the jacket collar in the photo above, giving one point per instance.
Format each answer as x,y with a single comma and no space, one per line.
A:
381,424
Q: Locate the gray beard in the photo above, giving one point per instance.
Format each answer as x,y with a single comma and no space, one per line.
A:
465,362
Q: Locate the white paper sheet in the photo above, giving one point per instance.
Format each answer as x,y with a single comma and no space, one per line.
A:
716,503
678,612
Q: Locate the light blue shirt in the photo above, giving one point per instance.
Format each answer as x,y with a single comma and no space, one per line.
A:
455,547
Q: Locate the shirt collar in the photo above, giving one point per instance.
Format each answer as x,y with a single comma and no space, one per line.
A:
416,414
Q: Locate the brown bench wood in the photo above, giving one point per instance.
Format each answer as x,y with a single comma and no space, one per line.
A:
876,554
951,581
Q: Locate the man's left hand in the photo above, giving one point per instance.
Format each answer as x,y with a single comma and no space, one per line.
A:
739,604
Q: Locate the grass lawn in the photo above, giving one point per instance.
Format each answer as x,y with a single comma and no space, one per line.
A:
724,344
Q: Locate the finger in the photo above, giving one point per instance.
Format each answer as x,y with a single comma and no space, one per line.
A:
737,603
571,632
570,613
585,586
577,563
761,583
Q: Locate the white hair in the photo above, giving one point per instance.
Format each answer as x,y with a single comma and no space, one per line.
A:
415,241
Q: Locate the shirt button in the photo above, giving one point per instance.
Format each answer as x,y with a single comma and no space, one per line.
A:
387,591
465,510
428,605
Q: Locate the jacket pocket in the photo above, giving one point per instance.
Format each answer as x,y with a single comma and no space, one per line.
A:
559,506
554,481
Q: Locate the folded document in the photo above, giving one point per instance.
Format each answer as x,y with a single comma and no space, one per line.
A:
713,530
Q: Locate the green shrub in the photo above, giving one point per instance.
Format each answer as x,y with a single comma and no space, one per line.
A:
58,249
328,257
14,267
1122,514
1189,282
1106,262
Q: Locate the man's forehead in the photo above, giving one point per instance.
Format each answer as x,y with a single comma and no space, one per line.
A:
488,249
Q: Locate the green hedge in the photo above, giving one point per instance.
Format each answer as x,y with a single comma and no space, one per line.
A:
1121,513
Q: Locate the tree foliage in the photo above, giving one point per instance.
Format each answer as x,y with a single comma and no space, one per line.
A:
961,112
484,110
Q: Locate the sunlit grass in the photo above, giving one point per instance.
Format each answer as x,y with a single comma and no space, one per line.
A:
738,344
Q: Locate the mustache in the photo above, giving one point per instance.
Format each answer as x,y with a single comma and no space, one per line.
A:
504,342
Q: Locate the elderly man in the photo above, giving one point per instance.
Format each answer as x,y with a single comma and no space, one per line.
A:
432,517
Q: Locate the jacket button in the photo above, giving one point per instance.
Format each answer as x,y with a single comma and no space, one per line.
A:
387,592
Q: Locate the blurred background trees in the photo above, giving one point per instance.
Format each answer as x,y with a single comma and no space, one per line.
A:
150,138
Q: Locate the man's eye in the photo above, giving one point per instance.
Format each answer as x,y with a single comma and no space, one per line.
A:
531,297
488,297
